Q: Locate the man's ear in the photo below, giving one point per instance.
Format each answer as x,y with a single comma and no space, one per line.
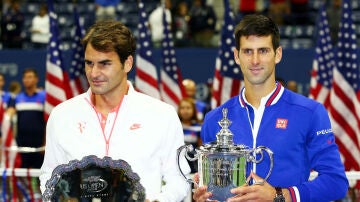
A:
128,64
236,56
278,55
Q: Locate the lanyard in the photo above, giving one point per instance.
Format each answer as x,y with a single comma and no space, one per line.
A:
107,138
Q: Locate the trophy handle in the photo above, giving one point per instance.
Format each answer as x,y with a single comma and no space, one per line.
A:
260,149
188,148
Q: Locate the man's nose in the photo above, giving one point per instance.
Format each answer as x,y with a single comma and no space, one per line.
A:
255,58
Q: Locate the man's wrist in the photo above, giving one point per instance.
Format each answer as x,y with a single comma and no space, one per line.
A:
279,196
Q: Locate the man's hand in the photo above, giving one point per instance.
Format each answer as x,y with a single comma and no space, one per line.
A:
259,191
200,193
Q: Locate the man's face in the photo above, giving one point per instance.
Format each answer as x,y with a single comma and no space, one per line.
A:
104,71
30,80
257,59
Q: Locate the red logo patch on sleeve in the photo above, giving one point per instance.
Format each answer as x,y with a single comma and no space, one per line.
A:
281,123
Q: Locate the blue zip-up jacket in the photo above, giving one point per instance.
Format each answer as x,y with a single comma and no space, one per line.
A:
298,131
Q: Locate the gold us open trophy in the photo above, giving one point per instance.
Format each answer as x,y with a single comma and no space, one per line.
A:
222,165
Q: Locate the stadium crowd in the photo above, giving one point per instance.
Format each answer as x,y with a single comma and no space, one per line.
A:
194,23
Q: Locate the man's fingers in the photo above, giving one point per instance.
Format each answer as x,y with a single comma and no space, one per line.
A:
257,179
196,178
201,194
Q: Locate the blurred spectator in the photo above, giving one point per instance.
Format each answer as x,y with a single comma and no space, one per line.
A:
299,12
5,98
30,127
40,28
5,95
190,90
181,27
292,85
334,15
202,23
250,7
106,9
5,5
191,126
14,88
156,22
12,26
279,10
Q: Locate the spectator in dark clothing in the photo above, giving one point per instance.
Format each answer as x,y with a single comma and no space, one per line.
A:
334,7
12,26
202,23
181,25
30,127
299,12
279,10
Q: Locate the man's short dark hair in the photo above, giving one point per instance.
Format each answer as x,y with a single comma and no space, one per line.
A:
258,25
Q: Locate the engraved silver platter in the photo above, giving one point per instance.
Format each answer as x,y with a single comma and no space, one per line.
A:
94,179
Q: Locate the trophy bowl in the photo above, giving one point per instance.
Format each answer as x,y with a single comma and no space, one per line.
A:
223,165
94,180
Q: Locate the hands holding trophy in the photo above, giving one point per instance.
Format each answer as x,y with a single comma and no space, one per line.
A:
222,165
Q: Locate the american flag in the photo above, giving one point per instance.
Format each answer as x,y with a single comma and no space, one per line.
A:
227,79
344,107
78,81
323,64
146,78
9,158
172,90
57,81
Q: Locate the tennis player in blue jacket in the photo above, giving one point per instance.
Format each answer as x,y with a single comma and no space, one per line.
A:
296,128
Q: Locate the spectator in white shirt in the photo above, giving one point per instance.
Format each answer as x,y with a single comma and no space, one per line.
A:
40,28
156,22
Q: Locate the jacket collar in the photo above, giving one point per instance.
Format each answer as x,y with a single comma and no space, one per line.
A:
270,99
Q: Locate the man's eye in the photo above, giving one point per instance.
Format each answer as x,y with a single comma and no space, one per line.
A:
105,63
263,51
89,63
247,51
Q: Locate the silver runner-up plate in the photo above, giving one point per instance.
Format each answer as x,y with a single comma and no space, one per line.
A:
94,179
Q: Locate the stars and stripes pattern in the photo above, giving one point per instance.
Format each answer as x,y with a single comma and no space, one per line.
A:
227,79
344,106
146,78
78,81
323,63
9,158
172,90
57,81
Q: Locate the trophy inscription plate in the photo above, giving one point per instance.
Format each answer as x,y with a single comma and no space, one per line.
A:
94,180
